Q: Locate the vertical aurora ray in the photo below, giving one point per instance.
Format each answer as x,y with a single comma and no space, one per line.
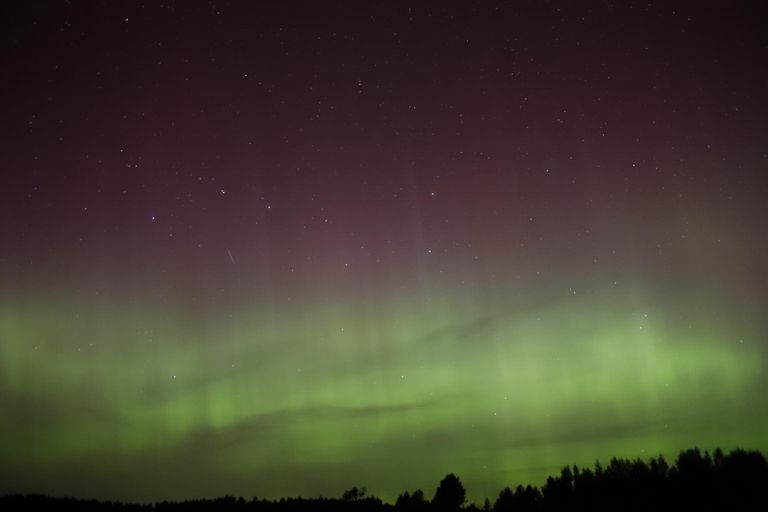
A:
543,384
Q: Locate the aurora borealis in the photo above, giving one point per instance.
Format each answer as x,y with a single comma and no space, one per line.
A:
278,248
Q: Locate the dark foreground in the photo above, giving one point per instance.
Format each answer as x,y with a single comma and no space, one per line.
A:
696,481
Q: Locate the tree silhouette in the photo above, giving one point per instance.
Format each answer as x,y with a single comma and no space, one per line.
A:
354,494
696,481
505,501
411,502
403,501
557,491
450,494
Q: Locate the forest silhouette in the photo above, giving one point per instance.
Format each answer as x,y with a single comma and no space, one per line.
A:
695,481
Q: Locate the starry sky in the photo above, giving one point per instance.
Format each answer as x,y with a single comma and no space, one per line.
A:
287,248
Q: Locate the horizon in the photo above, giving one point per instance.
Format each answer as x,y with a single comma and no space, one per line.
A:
698,461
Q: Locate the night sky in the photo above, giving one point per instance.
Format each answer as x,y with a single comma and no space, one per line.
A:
277,248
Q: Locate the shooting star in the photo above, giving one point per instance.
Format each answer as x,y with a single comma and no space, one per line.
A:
231,258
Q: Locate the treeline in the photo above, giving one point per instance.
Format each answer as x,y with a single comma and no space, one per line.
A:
695,481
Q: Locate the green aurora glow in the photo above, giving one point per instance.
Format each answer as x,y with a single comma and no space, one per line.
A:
384,394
